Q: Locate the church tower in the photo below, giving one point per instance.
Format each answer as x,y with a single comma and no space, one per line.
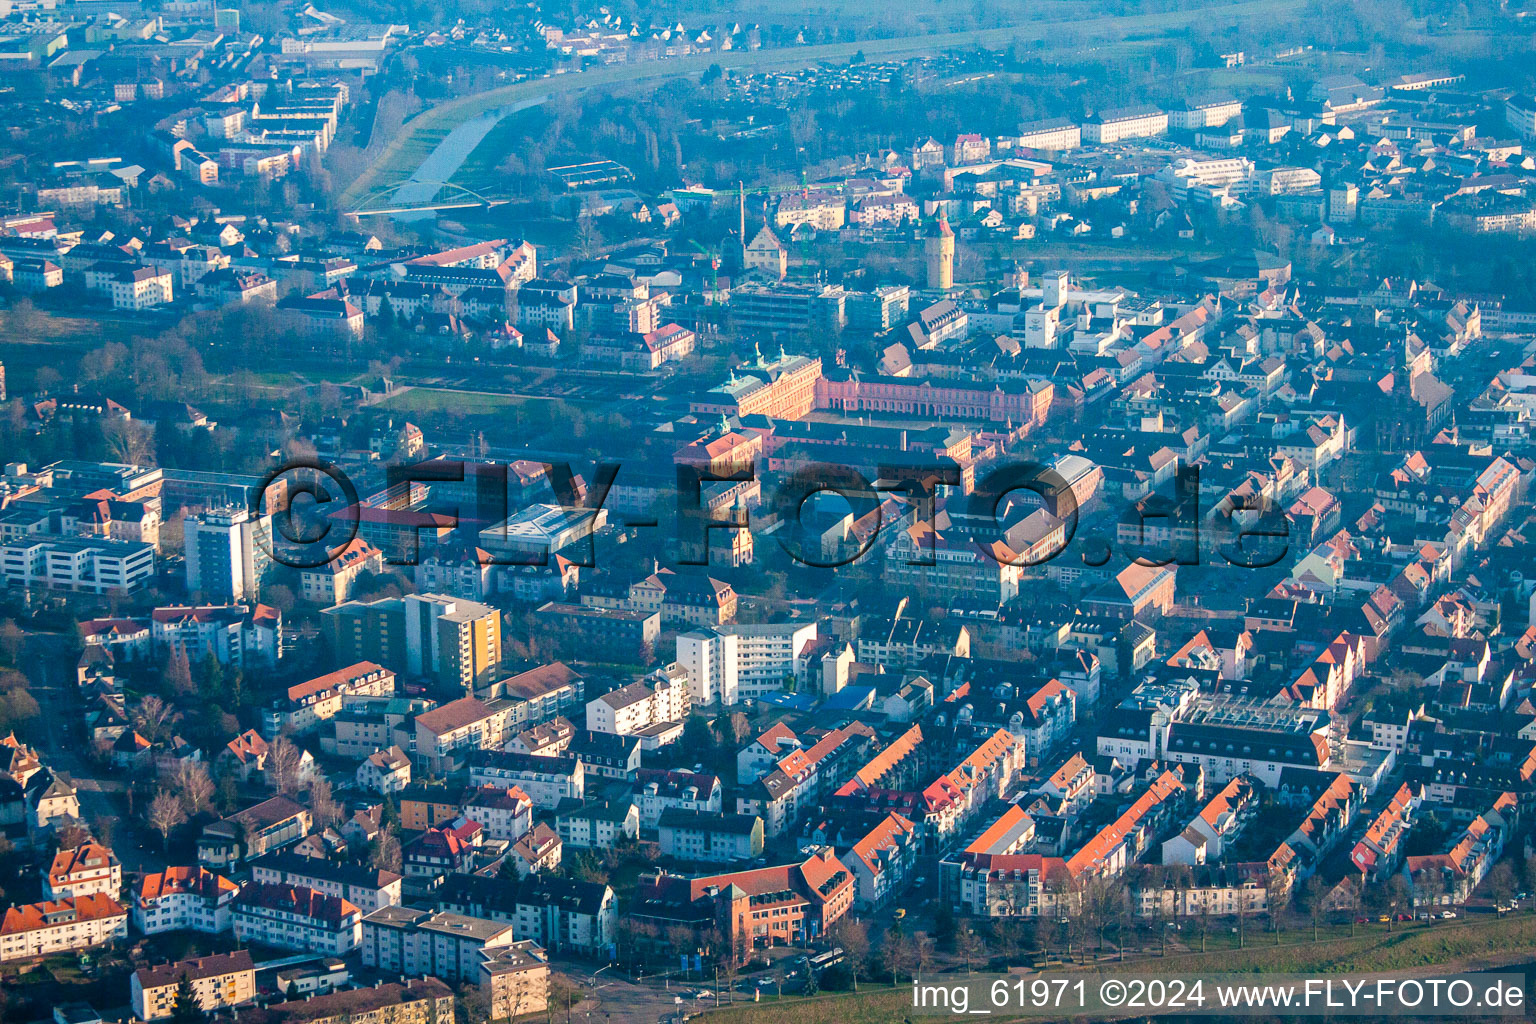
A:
939,254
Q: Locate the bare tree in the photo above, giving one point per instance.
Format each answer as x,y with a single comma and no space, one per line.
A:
11,638
897,955
194,786
1315,898
178,672
969,947
922,952
165,815
322,805
386,852
284,758
153,717
853,937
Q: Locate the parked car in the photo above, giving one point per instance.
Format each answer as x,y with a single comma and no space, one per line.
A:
1449,915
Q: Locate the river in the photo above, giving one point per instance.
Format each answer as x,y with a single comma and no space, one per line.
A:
449,155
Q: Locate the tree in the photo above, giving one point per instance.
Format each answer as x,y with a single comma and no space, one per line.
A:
1528,875
1314,898
178,672
324,807
1501,884
193,786
853,938
944,925
187,1008
153,718
284,758
922,952
11,638
386,854
969,947
897,955
165,816
1399,895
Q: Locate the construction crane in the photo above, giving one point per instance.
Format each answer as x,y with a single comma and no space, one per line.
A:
761,190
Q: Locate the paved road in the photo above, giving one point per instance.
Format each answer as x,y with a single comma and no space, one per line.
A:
385,169
100,790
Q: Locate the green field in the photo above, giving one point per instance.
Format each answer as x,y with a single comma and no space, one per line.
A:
427,401
416,139
1444,947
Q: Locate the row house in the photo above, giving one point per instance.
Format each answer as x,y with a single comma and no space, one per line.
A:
61,926
710,837
1218,824
951,802
368,889
1449,878
883,861
296,917
1379,852
802,778
184,899
785,904
1120,843
560,914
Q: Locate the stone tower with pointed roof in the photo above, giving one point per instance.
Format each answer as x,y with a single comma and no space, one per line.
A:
939,254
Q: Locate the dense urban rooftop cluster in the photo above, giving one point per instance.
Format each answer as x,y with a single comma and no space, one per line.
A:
948,594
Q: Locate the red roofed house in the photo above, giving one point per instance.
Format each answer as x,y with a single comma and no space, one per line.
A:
236,634
315,700
331,584
184,899
38,929
88,870
786,904
296,917
882,861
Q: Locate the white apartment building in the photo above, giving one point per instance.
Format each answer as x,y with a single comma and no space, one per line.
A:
1188,173
323,697
436,944
1210,114
640,705
710,837
87,870
1283,180
39,929
234,634
367,889
296,917
1125,123
728,663
547,779
184,899
227,553
1054,134
1520,114
139,288
446,734
506,812
80,565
